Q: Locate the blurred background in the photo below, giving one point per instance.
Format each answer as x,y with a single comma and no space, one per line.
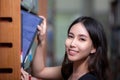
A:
61,13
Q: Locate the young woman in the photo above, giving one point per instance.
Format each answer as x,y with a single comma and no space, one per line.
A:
85,54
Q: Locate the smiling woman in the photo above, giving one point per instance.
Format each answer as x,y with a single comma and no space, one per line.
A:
85,54
86,51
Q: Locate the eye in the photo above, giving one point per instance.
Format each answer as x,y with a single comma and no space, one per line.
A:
82,39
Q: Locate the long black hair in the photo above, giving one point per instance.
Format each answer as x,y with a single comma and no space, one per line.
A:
98,62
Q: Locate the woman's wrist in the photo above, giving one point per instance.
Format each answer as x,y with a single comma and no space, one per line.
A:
42,42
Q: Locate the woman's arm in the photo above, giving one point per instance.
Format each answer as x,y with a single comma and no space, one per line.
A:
38,64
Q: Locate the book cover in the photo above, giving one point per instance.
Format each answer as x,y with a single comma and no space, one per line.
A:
29,24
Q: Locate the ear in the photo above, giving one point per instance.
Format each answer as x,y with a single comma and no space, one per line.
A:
93,50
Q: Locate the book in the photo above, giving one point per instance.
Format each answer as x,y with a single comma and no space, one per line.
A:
29,24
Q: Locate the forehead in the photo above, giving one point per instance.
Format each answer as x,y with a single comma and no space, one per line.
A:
79,28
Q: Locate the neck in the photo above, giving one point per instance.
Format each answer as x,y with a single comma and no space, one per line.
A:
80,68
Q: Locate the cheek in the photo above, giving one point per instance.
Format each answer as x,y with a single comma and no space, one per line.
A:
86,48
67,43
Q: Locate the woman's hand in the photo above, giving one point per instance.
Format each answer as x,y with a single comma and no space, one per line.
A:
25,75
42,28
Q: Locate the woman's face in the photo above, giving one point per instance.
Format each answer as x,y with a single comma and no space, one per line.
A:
78,43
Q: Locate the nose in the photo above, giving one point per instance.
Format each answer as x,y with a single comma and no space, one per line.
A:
73,43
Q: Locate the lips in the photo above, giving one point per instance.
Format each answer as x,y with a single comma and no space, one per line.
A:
72,52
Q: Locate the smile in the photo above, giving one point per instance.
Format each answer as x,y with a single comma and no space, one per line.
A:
72,52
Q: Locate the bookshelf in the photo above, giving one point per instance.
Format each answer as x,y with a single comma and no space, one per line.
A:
10,39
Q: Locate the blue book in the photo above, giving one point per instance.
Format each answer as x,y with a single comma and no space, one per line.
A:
29,23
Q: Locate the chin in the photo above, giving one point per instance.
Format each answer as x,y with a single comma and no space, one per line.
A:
72,58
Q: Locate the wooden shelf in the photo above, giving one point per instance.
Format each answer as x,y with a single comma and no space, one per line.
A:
10,39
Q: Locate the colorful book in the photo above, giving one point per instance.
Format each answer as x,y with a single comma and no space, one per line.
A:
29,24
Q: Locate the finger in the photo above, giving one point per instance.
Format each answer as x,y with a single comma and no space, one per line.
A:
26,77
24,74
39,31
22,78
39,28
43,24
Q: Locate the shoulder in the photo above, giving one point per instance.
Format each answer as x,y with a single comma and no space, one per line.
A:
88,76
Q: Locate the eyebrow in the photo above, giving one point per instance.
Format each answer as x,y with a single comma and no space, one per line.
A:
80,35
70,33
